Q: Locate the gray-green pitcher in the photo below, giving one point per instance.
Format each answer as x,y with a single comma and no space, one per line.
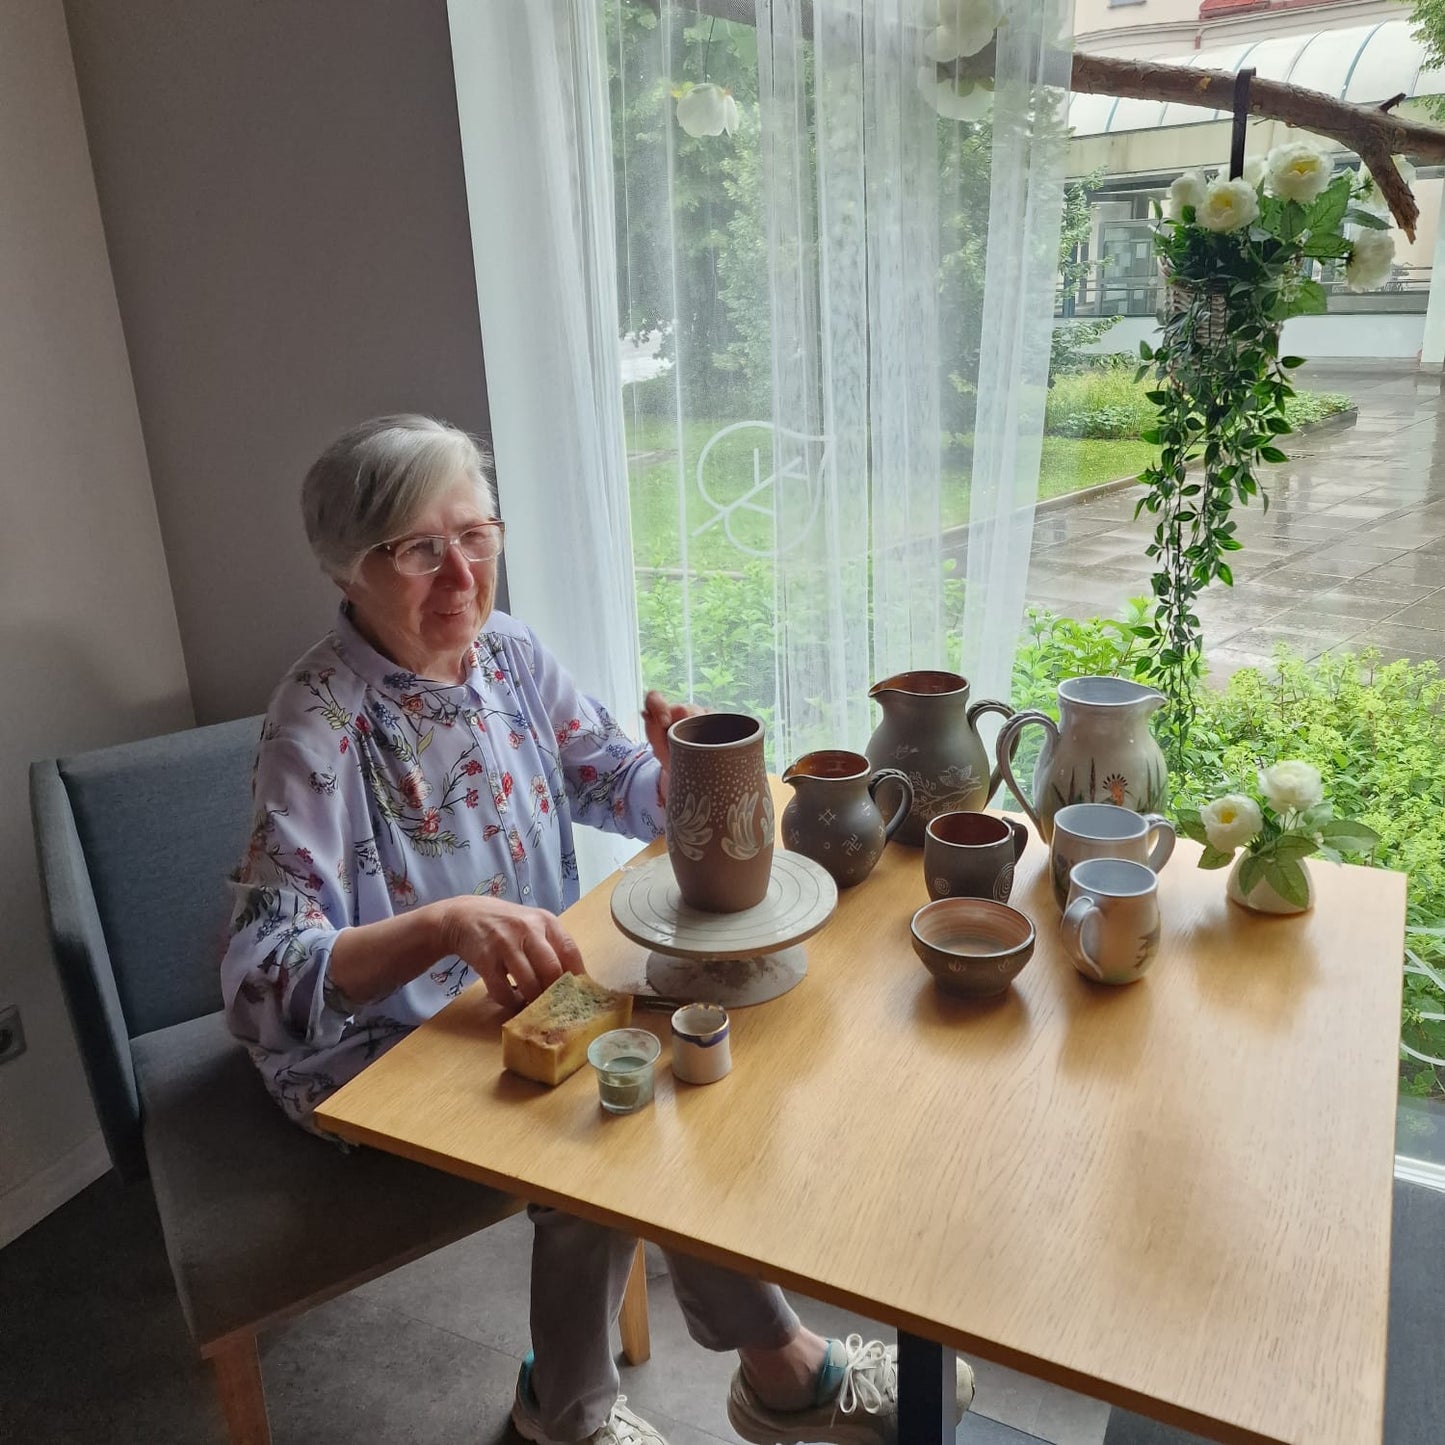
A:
929,734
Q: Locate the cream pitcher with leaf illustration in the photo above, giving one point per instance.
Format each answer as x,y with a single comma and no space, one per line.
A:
1099,751
929,734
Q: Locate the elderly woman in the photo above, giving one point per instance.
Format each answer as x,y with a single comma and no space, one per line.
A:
417,783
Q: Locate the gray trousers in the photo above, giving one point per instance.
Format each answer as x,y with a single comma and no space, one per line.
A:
579,1273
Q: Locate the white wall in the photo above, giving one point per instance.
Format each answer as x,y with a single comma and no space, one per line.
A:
1315,337
89,650
286,214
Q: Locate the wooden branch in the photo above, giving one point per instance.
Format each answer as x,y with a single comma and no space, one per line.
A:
1375,134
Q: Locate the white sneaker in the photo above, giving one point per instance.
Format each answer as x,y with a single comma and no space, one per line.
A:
621,1427
859,1408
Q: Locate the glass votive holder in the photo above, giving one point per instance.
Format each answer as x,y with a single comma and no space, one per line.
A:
625,1061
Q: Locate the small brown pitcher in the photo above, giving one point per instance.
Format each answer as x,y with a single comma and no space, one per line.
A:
719,811
834,817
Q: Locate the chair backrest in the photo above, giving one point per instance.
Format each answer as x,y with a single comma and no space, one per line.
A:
135,844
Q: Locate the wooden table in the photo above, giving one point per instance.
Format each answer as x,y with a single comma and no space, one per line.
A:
1173,1196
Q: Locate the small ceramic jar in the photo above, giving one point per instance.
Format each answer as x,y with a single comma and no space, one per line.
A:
701,1052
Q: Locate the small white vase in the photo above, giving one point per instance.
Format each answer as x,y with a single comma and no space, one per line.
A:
1262,898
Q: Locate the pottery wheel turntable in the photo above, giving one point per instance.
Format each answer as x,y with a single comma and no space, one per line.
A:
733,959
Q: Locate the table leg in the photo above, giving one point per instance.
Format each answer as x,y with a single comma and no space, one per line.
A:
927,1391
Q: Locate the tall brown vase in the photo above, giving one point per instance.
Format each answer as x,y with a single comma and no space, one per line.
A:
719,812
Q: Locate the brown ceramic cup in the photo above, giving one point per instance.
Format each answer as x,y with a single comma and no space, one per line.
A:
972,855
719,811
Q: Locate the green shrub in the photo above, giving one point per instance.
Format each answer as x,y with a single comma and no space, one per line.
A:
1376,732
1104,404
1311,406
1107,403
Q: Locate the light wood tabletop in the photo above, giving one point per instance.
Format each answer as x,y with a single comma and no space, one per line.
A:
1174,1196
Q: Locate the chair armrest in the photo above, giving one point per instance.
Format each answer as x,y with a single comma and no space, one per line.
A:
83,962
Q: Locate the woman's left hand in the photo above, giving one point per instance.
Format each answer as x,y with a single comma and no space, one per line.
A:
657,716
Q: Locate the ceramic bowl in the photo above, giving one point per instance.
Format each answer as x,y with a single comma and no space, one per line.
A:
973,947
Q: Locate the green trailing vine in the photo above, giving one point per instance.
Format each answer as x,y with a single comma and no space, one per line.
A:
1235,253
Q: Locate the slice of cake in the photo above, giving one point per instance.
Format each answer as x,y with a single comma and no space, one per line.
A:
548,1040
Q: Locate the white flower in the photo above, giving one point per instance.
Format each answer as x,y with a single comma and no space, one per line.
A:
1367,193
1292,787
1227,206
1254,169
707,110
965,27
1372,260
964,100
1298,172
1187,190
1231,822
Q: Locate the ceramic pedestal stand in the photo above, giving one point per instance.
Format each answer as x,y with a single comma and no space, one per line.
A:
733,959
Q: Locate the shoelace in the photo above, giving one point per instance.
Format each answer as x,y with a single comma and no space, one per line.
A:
620,1429
870,1377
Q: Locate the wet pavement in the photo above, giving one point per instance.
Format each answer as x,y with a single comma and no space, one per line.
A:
1350,555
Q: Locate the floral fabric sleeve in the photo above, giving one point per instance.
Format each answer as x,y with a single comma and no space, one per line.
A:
292,892
611,780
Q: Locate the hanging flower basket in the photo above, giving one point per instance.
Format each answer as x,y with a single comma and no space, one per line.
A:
1213,329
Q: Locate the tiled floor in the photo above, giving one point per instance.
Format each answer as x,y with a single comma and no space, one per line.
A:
93,1349
1351,553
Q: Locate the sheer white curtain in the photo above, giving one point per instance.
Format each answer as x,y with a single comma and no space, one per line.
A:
532,102
850,166
1022,261
912,265
835,318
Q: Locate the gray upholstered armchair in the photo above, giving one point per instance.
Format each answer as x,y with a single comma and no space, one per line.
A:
261,1220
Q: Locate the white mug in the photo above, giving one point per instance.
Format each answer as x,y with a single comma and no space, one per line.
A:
1111,925
1104,830
701,1051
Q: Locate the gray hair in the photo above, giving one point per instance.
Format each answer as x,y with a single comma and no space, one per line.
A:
369,485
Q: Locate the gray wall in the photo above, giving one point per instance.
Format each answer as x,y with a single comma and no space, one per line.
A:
282,190
89,652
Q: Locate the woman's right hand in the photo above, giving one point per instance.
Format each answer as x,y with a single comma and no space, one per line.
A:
513,949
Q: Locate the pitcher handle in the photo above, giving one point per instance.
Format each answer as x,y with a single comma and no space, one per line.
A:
1007,745
905,804
975,711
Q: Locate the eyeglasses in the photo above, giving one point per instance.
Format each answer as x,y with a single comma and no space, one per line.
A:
424,553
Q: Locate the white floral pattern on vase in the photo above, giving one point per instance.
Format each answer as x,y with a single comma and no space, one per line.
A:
688,829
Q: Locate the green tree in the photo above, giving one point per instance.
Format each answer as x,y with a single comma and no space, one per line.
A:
1429,18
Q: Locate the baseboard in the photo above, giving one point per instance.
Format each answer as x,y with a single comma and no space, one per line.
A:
43,1193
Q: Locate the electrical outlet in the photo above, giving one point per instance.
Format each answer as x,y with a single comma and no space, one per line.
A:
12,1035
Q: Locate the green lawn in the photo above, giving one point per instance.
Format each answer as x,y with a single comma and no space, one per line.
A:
1068,465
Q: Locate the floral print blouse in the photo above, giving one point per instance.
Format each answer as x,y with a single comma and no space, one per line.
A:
377,791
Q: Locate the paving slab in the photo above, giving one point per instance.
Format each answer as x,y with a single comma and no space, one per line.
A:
1349,555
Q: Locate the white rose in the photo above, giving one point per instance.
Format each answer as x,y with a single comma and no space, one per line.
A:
1292,787
1298,172
966,100
707,110
966,26
1372,260
1187,190
1254,169
1227,206
1231,822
